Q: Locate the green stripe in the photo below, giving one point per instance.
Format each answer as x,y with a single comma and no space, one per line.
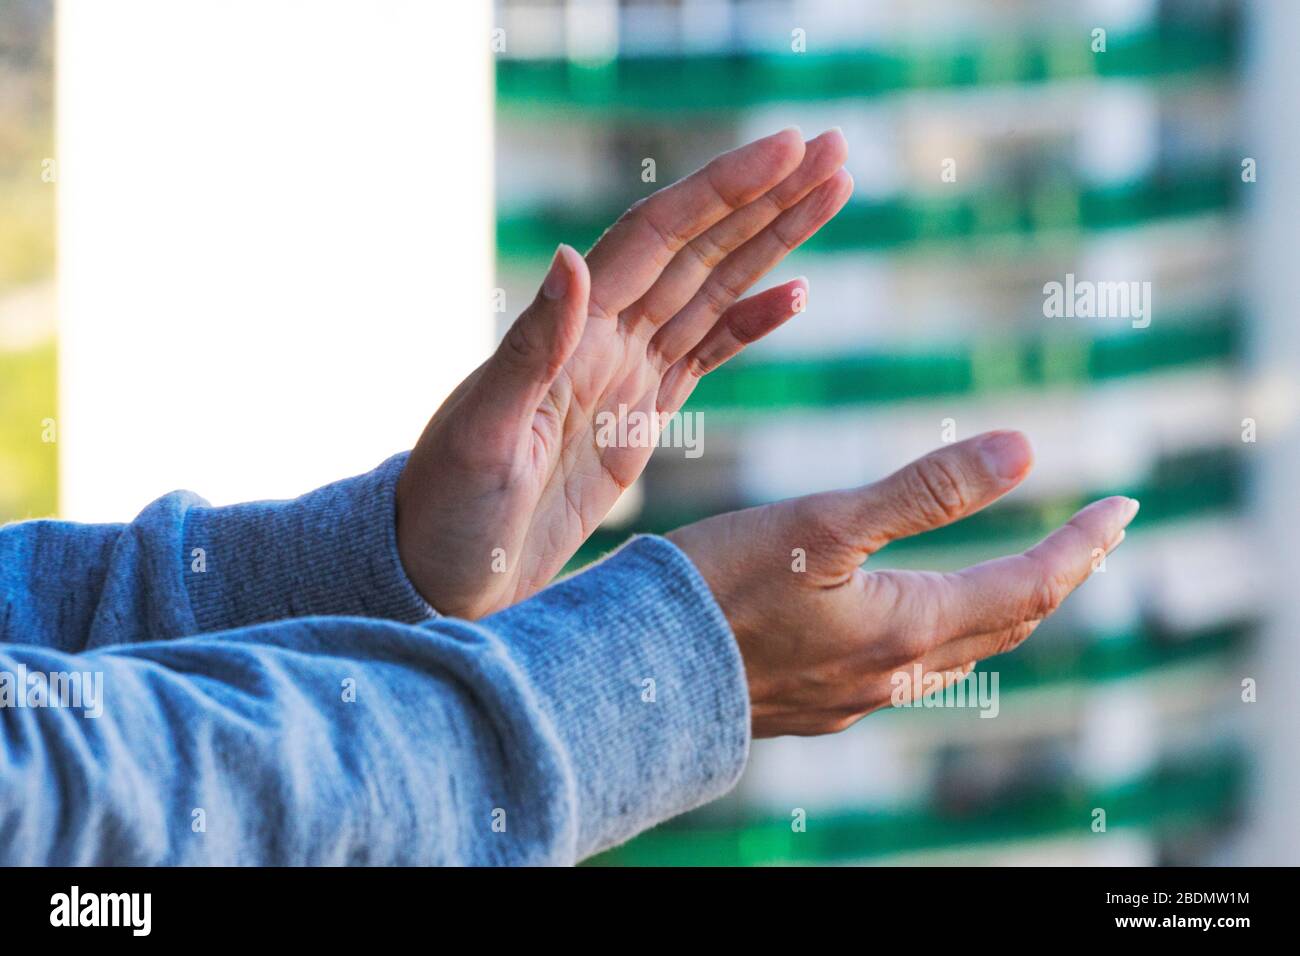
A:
1173,798
718,82
1058,355
996,212
1097,659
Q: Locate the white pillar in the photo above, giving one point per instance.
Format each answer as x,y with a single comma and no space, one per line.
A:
276,237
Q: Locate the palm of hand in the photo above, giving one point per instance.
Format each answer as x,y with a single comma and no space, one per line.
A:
510,478
826,641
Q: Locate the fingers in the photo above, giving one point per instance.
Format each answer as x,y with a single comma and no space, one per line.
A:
965,651
689,269
627,260
945,485
521,370
948,622
745,322
994,607
747,265
934,679
997,597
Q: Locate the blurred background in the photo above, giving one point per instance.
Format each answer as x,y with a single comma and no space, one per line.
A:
28,466
996,147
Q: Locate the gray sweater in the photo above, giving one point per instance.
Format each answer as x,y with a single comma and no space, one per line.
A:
261,684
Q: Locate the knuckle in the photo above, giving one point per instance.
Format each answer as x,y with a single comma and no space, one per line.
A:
669,237
780,199
716,296
708,252
731,199
937,491
787,241
733,284
826,534
1048,595
520,344
698,366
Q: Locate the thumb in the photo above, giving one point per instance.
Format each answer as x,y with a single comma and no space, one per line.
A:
541,340
938,489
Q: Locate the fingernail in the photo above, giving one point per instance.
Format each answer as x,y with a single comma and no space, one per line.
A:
557,279
1131,509
1006,454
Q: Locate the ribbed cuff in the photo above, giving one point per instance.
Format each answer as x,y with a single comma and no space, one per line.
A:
331,552
645,687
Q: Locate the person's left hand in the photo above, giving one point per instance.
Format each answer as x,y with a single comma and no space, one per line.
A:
508,478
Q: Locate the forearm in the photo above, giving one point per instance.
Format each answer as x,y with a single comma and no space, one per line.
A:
52,577
525,738
332,551
183,567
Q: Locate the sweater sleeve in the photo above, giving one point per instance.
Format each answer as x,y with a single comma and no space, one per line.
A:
183,567
573,720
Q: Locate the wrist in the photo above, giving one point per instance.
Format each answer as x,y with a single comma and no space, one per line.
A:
694,541
644,685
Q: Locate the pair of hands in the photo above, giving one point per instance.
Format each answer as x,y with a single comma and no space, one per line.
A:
510,461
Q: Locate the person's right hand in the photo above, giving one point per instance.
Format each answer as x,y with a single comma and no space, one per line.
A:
821,645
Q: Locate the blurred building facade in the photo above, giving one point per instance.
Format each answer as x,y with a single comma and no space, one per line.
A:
996,149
